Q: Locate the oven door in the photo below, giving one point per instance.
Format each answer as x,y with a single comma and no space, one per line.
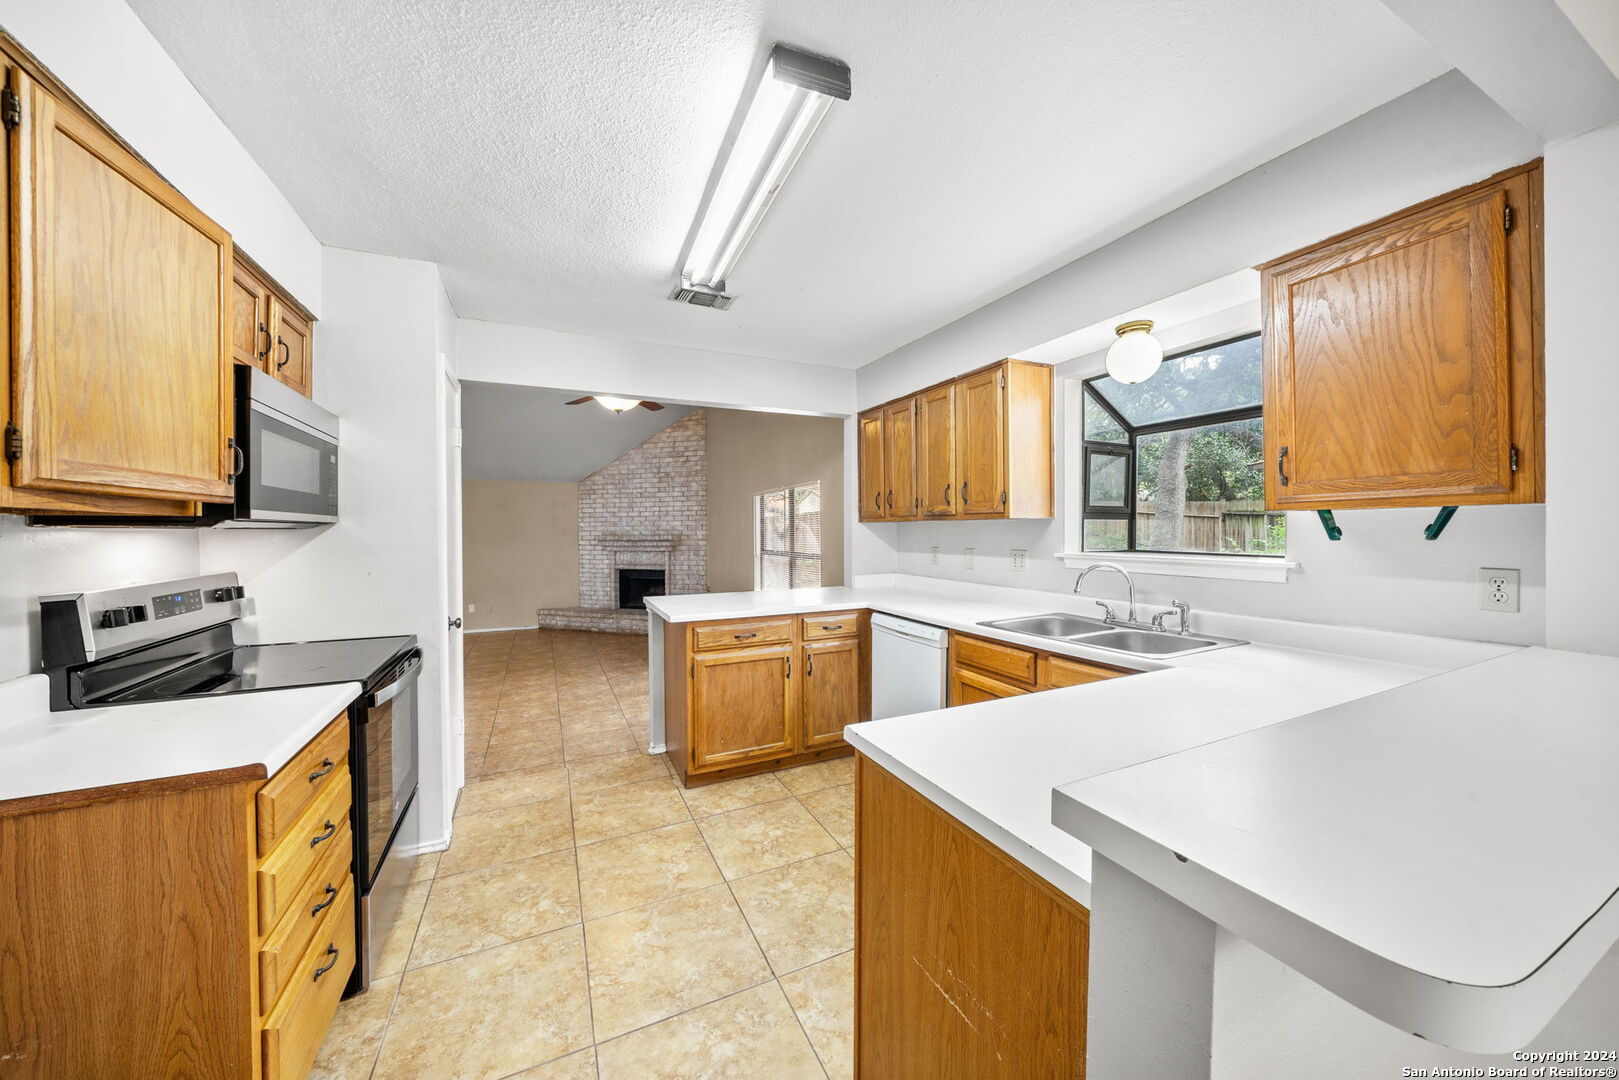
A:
385,750
289,472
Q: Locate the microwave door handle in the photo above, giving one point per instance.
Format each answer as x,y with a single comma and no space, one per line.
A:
407,676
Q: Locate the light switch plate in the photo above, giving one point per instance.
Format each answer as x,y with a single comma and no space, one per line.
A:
1498,589
969,558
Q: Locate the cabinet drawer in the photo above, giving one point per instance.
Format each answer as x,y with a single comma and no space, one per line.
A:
1060,671
324,827
300,781
297,1025
971,687
304,918
727,635
833,625
992,656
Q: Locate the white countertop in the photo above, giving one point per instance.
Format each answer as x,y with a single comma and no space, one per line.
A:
44,752
1428,828
1444,855
993,766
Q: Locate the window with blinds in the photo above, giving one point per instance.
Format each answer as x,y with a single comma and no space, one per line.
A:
787,528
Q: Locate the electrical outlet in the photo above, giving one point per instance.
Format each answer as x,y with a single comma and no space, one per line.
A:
1498,589
969,558
472,609
933,557
1020,560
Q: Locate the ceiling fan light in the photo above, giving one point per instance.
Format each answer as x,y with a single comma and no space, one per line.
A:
1135,355
617,404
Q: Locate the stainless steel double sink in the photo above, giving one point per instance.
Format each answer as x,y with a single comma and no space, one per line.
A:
1097,634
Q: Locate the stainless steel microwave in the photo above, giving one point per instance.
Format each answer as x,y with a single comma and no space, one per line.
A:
285,471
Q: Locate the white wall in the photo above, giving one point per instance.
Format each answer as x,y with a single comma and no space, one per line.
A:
1582,388
525,356
379,570
103,53
1439,136
35,562
1383,573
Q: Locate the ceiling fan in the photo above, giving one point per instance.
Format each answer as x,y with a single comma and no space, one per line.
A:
617,404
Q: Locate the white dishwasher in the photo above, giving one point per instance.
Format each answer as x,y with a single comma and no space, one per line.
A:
907,666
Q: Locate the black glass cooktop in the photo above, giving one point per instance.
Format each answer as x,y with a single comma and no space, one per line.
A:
275,667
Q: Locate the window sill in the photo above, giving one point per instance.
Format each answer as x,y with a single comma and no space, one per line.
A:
1268,568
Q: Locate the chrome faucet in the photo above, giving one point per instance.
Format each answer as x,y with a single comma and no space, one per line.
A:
1183,609
1107,609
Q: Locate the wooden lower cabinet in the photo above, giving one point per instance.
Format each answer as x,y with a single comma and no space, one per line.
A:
968,966
743,706
744,696
984,670
830,693
133,929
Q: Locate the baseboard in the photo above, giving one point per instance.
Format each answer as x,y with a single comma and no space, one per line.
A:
425,847
500,629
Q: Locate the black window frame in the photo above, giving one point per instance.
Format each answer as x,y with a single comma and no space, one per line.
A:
1128,450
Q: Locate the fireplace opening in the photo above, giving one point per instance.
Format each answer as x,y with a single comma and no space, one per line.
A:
634,586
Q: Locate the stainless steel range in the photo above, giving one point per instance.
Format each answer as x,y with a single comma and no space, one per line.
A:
178,639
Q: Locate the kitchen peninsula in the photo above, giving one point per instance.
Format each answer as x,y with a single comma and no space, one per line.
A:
991,769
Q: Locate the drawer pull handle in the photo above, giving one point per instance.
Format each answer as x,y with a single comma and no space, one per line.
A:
332,951
744,637
331,831
833,626
331,895
326,766
286,353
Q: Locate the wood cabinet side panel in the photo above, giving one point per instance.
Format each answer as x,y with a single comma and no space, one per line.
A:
966,963
1030,475
677,688
78,934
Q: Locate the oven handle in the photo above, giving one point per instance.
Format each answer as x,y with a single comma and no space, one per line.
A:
408,674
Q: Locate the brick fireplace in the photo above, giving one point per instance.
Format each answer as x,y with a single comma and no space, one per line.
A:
645,511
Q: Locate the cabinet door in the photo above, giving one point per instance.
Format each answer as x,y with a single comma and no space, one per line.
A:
742,707
899,425
250,337
936,451
968,687
873,473
290,352
831,690
981,442
1388,363
121,290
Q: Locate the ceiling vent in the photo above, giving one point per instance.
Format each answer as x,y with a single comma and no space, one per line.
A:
702,296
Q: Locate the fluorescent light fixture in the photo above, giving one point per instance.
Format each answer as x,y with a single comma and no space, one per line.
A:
617,404
788,104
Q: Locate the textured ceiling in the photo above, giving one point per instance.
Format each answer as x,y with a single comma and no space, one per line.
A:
551,157
524,433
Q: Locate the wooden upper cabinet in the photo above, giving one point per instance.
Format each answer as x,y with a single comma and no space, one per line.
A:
1402,361
899,428
831,690
121,292
873,473
742,706
250,336
981,453
975,447
290,351
936,450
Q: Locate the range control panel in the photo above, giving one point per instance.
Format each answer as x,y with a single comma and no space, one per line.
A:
169,605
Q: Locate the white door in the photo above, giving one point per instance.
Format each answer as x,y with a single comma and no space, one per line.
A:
454,688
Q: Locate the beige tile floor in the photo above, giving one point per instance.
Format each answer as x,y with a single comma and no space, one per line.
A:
593,919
